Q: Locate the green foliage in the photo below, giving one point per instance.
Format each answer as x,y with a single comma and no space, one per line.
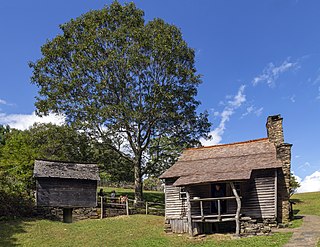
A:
16,165
62,143
152,183
16,161
129,83
3,131
294,184
50,142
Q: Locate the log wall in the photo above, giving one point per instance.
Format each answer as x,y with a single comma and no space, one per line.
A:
176,207
259,197
258,200
57,192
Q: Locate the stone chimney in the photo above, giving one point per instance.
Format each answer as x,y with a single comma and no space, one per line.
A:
275,130
275,135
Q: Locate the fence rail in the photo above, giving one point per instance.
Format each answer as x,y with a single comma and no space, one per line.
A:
128,204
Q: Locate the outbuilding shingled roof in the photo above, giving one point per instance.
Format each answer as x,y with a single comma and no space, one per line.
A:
57,169
225,162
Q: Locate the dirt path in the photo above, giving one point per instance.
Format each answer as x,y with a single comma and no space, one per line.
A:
306,235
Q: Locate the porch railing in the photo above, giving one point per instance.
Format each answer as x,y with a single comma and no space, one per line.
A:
236,217
214,217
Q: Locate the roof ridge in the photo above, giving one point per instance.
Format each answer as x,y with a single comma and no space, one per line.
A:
229,144
228,156
65,162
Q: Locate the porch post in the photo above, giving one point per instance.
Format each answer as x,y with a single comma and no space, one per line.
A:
276,194
235,193
189,214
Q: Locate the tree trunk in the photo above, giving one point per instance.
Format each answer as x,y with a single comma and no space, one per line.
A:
138,196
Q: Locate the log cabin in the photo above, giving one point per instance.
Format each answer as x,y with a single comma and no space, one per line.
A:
229,182
66,185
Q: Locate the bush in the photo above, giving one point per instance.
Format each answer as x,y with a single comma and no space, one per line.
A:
14,205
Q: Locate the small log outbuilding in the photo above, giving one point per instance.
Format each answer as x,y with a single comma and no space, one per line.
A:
66,185
225,183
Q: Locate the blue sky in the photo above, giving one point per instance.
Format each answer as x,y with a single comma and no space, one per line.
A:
257,58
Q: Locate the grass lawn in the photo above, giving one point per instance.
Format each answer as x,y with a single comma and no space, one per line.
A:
135,230
307,203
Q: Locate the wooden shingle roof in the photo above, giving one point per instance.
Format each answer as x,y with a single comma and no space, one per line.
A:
57,169
225,162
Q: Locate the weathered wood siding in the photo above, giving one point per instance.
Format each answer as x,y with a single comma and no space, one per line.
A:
258,200
176,207
57,192
202,191
259,195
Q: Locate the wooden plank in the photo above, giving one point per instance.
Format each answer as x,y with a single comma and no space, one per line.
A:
212,221
212,216
101,202
189,214
219,209
66,192
275,193
127,206
201,209
213,198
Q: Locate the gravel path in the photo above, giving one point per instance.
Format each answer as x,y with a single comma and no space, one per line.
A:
306,235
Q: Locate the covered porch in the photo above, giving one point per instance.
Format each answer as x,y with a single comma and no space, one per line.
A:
203,206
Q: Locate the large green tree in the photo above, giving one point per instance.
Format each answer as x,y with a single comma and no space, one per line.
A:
121,79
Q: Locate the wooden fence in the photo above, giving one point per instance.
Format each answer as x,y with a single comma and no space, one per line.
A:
130,205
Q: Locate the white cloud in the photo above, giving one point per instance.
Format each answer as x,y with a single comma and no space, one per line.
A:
3,102
293,98
253,110
317,79
271,73
310,183
24,121
225,115
304,166
318,97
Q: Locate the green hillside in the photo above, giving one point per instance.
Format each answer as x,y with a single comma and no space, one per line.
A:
307,203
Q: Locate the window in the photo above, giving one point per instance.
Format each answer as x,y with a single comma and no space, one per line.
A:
183,193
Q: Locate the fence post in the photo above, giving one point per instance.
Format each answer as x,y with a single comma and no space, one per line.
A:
146,207
219,210
101,201
201,211
127,206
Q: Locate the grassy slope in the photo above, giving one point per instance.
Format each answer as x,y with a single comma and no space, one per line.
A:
307,203
136,230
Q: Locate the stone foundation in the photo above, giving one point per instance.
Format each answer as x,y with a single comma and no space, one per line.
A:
55,213
251,227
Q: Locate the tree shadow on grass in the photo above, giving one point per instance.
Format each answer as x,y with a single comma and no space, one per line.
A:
9,228
295,200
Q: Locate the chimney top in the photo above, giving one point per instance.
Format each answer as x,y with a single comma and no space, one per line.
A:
275,130
274,118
